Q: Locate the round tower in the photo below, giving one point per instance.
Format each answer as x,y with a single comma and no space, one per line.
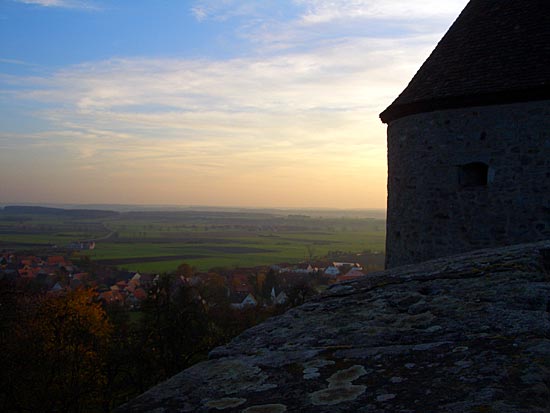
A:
469,138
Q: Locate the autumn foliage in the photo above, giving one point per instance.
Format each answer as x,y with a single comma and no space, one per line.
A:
70,353
53,357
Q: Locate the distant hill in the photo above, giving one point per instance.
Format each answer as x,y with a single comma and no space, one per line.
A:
59,212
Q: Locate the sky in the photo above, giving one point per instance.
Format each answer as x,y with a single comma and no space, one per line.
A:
270,103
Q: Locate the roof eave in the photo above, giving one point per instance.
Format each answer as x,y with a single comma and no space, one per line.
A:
397,111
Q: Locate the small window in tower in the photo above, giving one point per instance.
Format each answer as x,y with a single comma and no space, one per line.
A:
473,174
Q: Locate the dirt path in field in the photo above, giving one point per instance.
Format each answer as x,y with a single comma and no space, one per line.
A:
213,249
135,260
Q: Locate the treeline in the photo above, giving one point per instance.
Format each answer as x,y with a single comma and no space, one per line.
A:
60,212
70,353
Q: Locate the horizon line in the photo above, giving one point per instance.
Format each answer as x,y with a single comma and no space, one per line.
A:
187,206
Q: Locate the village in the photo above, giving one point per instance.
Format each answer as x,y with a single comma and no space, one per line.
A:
166,321
263,286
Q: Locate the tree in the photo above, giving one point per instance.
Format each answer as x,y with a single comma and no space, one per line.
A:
300,292
269,283
213,289
310,252
55,356
185,270
176,325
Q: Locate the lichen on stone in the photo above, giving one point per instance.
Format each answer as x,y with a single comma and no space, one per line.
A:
225,403
344,377
336,395
311,373
385,397
266,408
311,368
233,376
340,388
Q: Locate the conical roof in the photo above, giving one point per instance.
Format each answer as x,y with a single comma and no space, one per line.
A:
496,52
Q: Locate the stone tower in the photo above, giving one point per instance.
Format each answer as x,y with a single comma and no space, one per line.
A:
469,138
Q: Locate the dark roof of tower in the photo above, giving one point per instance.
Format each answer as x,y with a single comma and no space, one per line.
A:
496,52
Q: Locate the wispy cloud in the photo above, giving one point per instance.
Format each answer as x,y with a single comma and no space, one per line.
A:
320,11
65,4
14,62
323,11
291,24
226,9
349,75
292,120
238,120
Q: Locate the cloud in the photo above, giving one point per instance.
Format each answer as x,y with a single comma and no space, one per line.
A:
309,114
226,9
199,12
323,11
352,75
296,24
14,62
290,121
65,4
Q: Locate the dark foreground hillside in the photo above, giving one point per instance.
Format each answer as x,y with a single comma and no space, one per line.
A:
463,334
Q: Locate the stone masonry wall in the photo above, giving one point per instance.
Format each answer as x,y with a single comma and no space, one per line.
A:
431,215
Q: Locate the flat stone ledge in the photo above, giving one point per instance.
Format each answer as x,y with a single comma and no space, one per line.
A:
469,333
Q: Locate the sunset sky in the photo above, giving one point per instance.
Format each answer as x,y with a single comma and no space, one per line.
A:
267,103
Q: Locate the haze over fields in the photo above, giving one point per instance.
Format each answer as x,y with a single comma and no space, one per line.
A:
205,102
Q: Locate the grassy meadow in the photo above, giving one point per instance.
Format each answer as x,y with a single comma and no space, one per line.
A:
158,241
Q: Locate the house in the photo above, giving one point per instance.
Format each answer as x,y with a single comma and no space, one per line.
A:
111,297
248,301
278,299
121,284
31,260
320,265
282,267
303,268
346,264
69,268
136,278
81,245
56,289
332,271
26,272
131,287
352,274
134,300
140,294
56,260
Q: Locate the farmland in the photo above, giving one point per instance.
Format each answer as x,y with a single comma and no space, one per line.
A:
158,241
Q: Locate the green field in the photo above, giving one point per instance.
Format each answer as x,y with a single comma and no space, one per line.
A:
150,241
